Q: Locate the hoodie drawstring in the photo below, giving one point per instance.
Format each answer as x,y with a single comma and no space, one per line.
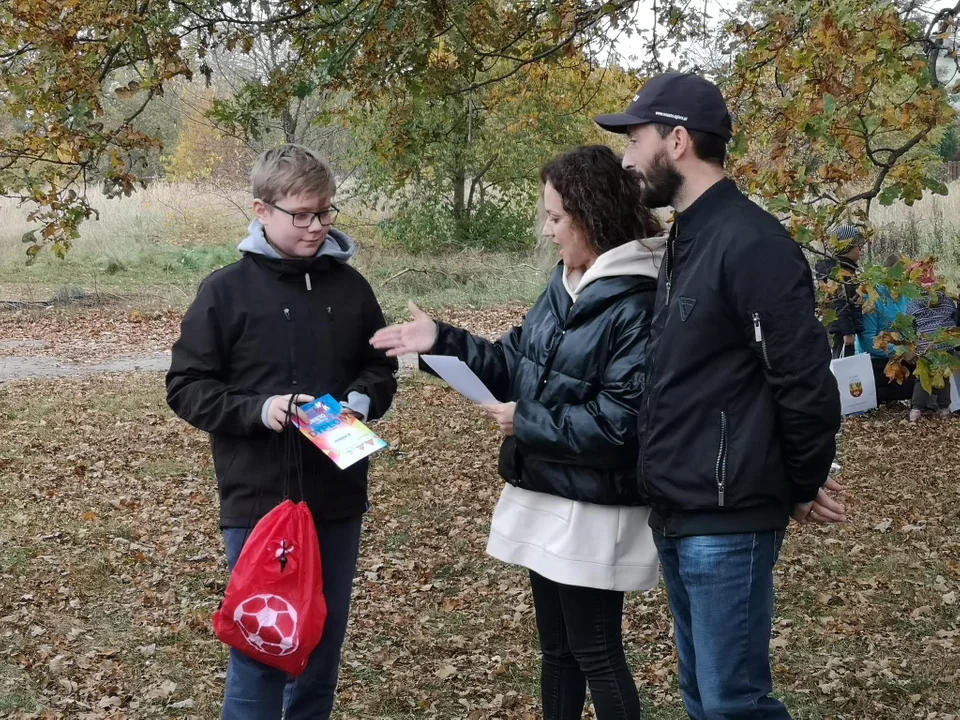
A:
309,284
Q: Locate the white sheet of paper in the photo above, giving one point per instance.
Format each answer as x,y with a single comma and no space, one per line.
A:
460,377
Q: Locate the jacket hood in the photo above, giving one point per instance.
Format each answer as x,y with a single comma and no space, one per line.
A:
337,246
639,257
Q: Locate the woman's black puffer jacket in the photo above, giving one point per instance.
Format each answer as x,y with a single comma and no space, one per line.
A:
575,371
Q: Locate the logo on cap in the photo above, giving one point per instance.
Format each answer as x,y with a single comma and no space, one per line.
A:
684,118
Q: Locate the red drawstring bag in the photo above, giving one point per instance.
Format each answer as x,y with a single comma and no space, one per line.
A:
274,610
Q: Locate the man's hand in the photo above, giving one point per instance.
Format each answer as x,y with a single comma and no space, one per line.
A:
824,509
502,413
801,512
277,417
849,339
832,486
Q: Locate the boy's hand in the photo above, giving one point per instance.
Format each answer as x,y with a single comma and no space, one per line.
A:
418,336
277,417
503,414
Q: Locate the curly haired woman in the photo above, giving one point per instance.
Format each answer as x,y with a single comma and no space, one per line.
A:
570,382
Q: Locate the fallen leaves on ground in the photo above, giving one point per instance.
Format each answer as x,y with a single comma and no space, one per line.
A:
81,334
489,323
111,564
115,331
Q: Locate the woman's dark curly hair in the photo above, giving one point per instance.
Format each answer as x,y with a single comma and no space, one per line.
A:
601,197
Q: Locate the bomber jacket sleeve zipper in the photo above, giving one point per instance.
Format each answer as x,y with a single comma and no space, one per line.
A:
758,337
722,460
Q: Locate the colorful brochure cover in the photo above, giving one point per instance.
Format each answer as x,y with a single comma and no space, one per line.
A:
343,438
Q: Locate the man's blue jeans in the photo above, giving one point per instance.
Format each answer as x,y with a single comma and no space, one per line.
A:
720,589
258,692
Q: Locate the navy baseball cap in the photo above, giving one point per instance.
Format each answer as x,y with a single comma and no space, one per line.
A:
675,98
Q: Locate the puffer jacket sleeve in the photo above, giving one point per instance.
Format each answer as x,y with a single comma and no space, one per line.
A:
601,432
492,362
873,325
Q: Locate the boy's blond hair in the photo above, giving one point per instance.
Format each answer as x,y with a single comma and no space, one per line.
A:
291,170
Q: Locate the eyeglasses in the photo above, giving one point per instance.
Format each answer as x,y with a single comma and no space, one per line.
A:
305,219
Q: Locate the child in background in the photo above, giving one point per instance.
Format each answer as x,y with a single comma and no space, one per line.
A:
882,319
934,311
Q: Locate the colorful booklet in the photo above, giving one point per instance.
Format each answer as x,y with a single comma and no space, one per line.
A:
343,438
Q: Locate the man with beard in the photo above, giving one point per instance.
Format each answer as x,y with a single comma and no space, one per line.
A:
739,412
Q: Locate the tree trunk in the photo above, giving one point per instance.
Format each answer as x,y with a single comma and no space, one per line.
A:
477,182
289,123
459,195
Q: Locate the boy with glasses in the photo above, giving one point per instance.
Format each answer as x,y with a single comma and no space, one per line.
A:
288,321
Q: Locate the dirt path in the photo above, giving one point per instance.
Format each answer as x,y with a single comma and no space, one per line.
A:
75,341
22,366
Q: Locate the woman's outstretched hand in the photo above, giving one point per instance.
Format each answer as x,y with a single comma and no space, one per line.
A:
417,336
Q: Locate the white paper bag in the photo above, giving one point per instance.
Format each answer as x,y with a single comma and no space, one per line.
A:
858,389
954,394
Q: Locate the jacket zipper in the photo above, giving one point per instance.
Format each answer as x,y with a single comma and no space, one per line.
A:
671,242
722,460
668,271
553,356
292,336
758,336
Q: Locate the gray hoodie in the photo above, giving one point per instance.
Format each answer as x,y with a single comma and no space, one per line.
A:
337,246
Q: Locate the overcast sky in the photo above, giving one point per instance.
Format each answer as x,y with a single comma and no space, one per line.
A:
718,11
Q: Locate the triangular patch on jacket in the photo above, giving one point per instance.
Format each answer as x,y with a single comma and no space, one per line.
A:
686,307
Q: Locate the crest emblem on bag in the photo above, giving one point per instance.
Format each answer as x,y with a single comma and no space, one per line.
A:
856,388
281,552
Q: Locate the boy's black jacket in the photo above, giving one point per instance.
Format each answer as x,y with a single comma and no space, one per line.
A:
262,327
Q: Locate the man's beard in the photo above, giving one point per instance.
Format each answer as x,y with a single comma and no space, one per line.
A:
661,183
